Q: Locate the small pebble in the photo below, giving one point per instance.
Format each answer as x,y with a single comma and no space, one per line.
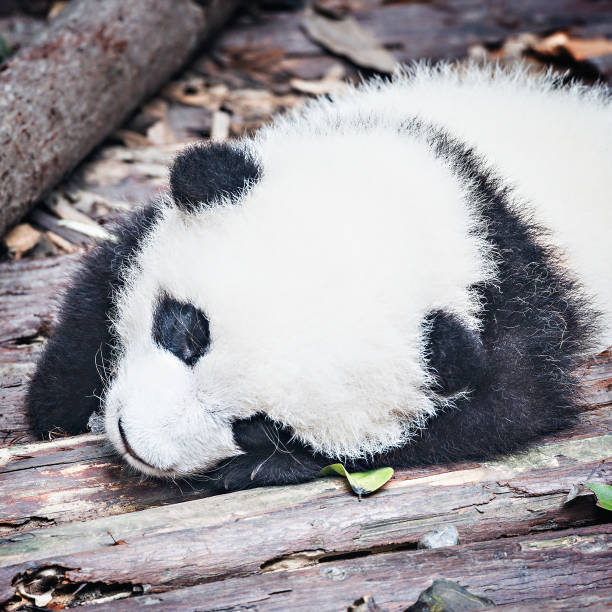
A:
447,536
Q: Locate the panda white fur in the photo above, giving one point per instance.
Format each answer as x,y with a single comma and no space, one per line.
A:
404,275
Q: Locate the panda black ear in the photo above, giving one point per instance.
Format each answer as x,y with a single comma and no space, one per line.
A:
204,173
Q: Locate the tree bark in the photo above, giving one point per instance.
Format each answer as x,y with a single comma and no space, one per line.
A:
274,529
79,80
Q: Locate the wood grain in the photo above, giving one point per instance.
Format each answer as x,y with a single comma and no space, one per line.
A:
544,567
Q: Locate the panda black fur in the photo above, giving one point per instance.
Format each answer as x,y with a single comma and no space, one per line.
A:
388,279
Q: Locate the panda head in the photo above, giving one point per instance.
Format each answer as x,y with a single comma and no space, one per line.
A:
167,411
252,296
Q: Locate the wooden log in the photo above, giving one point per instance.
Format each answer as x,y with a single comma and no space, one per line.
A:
553,566
78,479
194,541
94,64
549,567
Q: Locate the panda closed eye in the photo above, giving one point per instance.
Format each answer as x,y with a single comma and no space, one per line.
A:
182,329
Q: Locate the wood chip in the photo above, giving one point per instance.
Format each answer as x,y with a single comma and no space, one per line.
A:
160,133
131,139
220,127
93,230
56,9
259,104
21,239
254,57
346,37
50,222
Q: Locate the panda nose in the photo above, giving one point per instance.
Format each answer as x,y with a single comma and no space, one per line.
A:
182,329
128,448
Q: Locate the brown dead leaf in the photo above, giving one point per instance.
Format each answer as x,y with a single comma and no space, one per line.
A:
56,9
515,49
579,48
157,108
346,37
21,239
63,208
258,104
61,243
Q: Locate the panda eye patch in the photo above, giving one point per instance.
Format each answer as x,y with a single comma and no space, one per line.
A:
182,329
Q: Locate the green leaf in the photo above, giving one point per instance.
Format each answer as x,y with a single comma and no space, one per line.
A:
5,49
363,483
603,493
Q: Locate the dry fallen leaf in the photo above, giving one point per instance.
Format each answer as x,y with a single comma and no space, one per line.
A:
61,243
331,83
131,139
21,239
579,48
59,204
346,37
56,9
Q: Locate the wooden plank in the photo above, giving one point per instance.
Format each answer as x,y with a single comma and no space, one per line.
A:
551,566
594,600
596,379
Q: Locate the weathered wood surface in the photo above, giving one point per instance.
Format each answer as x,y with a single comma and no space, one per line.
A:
78,478
139,45
45,484
28,297
543,567
197,541
547,567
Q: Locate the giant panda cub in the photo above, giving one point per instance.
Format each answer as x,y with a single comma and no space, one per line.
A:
405,275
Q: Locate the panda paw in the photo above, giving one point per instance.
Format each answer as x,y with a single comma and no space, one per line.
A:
272,456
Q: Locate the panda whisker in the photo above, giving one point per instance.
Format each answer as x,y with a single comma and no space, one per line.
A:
277,443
